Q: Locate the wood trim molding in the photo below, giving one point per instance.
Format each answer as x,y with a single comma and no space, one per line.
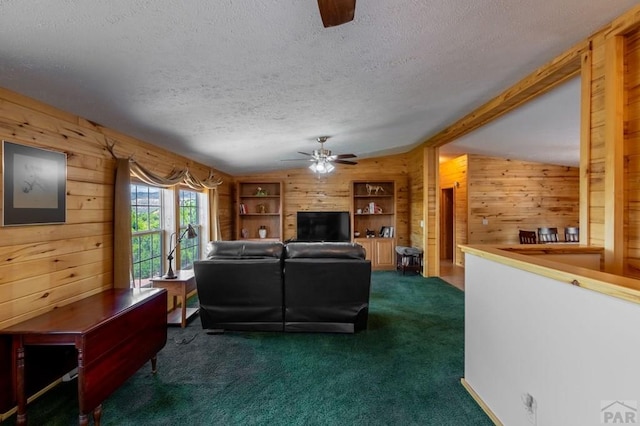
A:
431,215
612,285
496,421
614,155
585,144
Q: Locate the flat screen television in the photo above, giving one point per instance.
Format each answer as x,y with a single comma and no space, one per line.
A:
323,226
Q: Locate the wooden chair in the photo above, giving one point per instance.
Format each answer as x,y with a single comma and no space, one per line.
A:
527,237
572,234
548,235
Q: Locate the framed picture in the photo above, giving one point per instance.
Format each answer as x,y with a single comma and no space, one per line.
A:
385,232
34,185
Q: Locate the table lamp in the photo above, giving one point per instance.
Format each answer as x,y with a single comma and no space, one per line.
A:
191,233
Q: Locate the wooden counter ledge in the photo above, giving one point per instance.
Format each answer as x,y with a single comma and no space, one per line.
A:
526,257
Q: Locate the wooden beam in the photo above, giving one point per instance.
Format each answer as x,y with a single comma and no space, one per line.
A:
540,81
614,157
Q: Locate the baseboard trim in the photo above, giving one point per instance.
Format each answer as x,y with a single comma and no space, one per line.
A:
481,403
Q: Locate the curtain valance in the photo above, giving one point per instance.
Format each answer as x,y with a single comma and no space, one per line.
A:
175,177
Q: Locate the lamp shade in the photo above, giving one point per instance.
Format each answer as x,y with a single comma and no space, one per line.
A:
191,232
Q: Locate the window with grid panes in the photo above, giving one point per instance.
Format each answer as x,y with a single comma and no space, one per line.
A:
189,213
146,233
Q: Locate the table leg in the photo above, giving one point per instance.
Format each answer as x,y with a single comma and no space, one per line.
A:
184,305
154,364
21,418
97,415
83,419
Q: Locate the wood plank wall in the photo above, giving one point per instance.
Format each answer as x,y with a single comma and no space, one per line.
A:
305,191
45,266
511,195
514,195
613,163
632,154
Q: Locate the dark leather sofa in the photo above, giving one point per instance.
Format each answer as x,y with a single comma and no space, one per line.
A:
326,287
240,286
267,286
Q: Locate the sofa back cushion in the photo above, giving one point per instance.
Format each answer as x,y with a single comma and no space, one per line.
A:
321,250
244,249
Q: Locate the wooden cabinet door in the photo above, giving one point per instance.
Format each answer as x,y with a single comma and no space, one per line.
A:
385,253
367,243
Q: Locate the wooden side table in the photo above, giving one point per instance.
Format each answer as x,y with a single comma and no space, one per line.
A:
178,288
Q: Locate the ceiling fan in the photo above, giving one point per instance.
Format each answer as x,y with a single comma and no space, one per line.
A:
322,158
336,12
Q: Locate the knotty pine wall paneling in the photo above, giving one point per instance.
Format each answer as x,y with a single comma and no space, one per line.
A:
632,154
514,195
304,190
44,266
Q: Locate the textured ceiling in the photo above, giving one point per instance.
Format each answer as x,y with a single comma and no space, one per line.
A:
544,130
240,85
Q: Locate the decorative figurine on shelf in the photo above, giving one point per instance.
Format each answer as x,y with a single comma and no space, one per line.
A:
262,232
261,208
245,233
261,192
371,233
374,189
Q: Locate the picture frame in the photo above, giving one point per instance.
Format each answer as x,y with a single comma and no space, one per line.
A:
34,185
385,232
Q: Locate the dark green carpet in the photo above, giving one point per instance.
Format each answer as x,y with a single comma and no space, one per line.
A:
404,370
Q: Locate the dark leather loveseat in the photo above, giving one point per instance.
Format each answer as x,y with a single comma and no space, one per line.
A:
240,285
326,287
267,286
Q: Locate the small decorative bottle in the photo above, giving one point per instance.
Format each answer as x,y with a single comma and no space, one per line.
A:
262,232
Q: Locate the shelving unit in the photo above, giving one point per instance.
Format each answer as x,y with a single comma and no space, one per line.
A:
374,208
259,204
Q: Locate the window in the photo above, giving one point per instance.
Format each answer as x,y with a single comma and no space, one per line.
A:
189,206
155,229
146,232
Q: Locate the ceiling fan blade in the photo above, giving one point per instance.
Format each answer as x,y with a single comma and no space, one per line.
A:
344,162
304,153
336,12
345,156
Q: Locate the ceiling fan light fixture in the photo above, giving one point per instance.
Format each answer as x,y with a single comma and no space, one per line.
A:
322,160
322,167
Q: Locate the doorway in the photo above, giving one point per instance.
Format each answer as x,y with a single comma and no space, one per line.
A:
447,237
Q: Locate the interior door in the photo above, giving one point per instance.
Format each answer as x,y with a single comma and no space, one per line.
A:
446,224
